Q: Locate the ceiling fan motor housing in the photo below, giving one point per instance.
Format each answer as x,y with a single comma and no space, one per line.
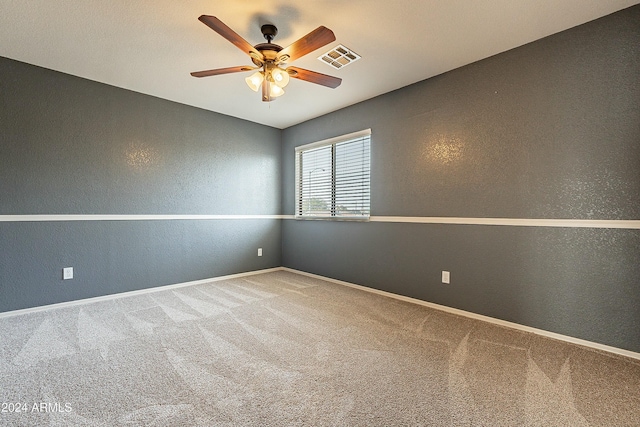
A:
268,50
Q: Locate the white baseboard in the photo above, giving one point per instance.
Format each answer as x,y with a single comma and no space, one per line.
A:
548,334
132,293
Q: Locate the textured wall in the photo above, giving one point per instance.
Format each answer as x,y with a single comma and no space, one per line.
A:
73,146
547,130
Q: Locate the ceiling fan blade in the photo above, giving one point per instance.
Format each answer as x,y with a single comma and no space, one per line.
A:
314,40
221,28
313,77
218,71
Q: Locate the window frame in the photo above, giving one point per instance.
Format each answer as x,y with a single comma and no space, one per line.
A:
366,133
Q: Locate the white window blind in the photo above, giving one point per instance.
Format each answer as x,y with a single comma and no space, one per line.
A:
333,177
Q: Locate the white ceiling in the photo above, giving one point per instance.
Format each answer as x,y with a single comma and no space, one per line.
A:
152,46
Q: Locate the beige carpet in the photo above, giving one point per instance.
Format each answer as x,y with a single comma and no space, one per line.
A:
281,349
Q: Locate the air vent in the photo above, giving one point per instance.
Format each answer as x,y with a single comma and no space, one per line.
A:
338,57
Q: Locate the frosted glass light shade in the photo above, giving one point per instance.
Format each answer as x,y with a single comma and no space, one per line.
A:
255,80
275,91
280,77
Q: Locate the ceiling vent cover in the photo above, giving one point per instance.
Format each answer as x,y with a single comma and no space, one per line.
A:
338,57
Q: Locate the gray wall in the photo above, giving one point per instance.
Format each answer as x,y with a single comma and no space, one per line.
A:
73,146
547,130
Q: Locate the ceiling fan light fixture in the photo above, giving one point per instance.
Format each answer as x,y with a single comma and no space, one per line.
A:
280,77
255,80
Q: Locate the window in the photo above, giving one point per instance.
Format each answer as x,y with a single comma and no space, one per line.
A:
333,177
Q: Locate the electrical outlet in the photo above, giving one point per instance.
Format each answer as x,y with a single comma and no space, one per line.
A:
259,251
446,277
67,273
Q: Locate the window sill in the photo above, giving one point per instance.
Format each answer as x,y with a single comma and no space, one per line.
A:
333,218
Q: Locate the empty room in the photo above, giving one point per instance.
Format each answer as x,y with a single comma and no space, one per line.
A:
363,213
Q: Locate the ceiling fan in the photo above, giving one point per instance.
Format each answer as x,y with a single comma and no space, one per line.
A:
270,58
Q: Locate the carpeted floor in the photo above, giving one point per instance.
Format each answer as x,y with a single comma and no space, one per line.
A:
281,349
